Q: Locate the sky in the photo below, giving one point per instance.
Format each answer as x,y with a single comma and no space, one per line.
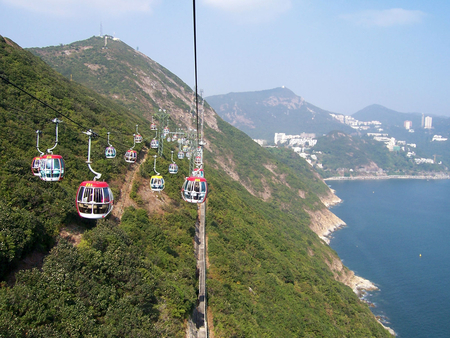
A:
340,55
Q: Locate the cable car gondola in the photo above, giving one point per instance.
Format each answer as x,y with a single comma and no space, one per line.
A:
52,168
180,155
137,137
153,125
36,162
130,156
94,199
198,172
194,189
173,167
154,144
35,166
166,131
110,151
156,181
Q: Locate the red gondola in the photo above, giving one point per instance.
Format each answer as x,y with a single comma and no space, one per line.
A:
52,168
194,189
130,156
137,137
198,173
94,200
35,166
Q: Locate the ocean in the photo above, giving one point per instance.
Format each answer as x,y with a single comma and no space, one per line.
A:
398,237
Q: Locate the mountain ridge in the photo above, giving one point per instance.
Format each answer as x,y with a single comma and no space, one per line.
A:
261,114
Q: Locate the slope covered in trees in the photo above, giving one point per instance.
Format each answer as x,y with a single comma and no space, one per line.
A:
268,273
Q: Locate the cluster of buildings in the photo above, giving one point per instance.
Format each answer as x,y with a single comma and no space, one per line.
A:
303,140
356,124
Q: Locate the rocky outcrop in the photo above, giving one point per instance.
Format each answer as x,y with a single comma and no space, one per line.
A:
324,222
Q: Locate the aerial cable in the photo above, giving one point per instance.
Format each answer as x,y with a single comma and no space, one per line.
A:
195,66
48,106
39,100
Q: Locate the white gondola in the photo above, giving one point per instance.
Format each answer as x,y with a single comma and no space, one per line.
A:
180,155
198,172
110,151
137,137
35,166
36,162
94,199
153,125
156,181
173,167
194,190
130,156
52,168
154,144
166,131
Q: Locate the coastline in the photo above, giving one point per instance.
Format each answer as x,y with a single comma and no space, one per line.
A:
324,223
389,177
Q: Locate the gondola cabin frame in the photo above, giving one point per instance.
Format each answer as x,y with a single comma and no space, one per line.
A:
51,168
194,190
95,200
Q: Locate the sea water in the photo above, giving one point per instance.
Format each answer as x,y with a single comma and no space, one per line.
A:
398,237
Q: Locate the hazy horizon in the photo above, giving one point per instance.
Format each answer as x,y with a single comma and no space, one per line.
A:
341,56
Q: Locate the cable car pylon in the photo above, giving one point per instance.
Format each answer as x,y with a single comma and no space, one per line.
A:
94,199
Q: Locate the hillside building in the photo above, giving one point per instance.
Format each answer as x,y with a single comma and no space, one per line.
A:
438,138
407,125
428,122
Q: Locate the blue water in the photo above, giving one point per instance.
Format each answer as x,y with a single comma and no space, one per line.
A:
390,223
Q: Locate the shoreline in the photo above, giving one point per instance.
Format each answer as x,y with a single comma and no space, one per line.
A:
389,177
324,224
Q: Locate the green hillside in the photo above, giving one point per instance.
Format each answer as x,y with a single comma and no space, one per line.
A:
268,275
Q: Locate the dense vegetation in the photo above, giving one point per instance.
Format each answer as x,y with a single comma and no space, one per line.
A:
268,273
135,279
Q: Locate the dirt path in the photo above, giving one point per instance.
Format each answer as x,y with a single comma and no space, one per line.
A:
125,200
